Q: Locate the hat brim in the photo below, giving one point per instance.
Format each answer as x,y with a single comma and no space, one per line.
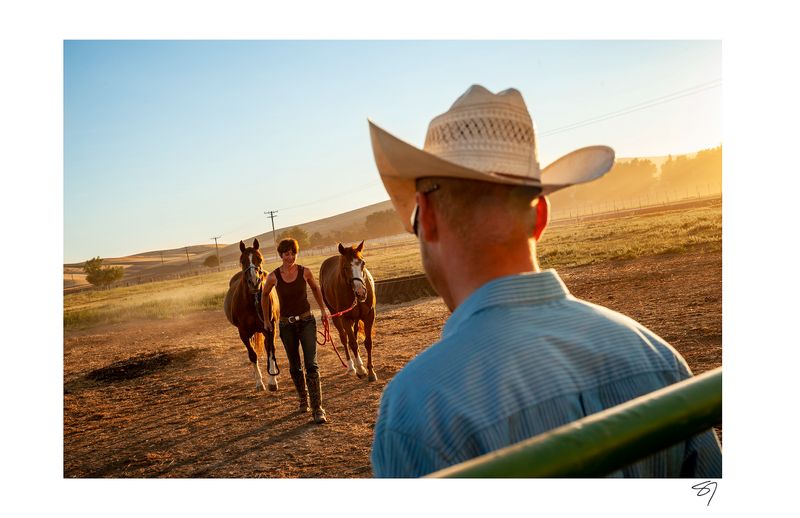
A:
400,164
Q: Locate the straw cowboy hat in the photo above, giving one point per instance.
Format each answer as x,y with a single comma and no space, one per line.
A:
483,136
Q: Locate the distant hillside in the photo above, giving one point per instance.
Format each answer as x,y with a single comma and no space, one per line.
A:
340,221
648,179
629,179
169,262
146,263
657,160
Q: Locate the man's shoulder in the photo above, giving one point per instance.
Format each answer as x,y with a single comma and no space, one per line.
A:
600,314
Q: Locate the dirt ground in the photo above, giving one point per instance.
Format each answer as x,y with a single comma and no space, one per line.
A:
176,398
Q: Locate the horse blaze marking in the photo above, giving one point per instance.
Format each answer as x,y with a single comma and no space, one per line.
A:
337,275
241,311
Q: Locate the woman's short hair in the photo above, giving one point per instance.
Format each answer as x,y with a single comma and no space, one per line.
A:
288,244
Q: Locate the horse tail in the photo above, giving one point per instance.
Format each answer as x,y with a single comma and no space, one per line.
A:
361,330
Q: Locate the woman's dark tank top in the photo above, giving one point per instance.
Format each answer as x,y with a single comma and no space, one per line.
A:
292,295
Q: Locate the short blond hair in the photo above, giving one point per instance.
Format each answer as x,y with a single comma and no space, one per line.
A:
459,202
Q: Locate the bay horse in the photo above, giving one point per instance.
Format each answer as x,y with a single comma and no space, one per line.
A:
346,283
243,309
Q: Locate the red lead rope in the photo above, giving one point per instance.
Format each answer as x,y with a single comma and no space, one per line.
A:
326,332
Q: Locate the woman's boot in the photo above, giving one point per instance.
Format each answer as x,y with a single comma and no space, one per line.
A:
315,395
300,385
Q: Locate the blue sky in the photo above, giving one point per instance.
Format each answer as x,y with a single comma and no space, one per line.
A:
167,143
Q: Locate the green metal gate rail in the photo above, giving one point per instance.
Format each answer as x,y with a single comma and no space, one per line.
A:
609,440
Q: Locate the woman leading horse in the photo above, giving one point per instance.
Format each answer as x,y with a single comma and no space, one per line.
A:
297,325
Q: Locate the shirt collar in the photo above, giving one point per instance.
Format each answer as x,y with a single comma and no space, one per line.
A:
524,288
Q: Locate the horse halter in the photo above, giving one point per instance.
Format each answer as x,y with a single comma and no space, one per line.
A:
258,274
256,292
258,271
354,279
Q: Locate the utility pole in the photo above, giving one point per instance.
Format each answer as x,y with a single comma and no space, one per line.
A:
272,219
162,257
217,246
187,255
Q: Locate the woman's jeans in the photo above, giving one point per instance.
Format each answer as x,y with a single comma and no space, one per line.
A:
293,335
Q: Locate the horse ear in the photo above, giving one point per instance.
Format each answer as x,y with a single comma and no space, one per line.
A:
360,247
255,244
241,246
341,249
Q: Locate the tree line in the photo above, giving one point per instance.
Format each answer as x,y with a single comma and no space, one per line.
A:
641,177
377,224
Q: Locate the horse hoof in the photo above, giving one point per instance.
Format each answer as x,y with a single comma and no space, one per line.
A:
373,377
272,388
361,375
350,372
261,388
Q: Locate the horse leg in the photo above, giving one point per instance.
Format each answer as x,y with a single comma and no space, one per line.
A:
340,326
251,353
272,364
353,336
368,344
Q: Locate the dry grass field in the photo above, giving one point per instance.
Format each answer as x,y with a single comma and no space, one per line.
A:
157,383
572,244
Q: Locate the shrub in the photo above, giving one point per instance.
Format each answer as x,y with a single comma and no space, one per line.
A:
99,275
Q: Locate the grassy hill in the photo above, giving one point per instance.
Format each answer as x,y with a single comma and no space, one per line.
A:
631,178
170,262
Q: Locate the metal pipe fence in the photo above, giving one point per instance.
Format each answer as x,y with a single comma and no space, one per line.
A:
607,441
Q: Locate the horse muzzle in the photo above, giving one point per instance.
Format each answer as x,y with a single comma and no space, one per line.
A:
360,291
255,280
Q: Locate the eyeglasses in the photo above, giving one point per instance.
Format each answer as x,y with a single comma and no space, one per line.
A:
414,212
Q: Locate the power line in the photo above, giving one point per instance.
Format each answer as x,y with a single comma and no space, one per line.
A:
332,196
219,269
674,96
313,202
272,219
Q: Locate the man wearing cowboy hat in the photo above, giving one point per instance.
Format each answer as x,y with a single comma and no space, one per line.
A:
519,355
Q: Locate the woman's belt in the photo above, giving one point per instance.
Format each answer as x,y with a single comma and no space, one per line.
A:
292,320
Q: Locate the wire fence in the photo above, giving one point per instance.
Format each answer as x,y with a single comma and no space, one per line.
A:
648,202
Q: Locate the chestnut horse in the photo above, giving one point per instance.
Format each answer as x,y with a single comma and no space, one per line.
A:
243,310
345,280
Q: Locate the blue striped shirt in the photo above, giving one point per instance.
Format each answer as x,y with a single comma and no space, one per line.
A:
519,357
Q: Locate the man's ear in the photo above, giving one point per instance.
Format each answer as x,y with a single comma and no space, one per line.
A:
426,219
542,217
